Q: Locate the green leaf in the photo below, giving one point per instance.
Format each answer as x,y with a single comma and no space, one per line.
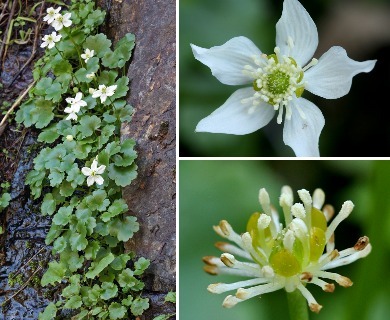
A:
163,317
62,70
123,229
117,207
92,250
98,200
128,301
56,177
99,43
66,189
62,217
54,274
98,267
24,113
141,265
122,175
4,200
49,313
126,278
139,305
59,244
42,114
127,154
41,86
170,297
121,90
78,242
53,233
88,125
71,259
73,288
54,92
110,290
73,303
120,262
107,78
49,135
116,311
121,54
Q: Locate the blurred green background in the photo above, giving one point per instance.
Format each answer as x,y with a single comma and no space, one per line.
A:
214,190
352,123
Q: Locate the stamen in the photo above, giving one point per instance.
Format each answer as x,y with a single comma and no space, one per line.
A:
313,305
245,294
229,248
258,255
263,221
226,231
224,287
230,301
328,211
348,259
288,241
280,115
312,63
286,201
342,281
318,198
298,210
265,201
345,211
307,201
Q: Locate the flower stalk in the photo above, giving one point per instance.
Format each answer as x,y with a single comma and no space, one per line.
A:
297,306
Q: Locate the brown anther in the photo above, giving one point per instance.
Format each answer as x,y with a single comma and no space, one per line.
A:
226,261
344,281
242,294
211,270
315,307
209,260
221,245
334,254
306,276
361,243
223,225
329,287
328,211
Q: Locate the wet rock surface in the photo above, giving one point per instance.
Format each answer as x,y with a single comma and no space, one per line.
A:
23,249
151,197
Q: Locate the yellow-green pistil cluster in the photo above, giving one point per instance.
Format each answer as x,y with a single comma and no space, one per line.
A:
285,257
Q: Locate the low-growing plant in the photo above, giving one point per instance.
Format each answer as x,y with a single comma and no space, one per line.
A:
79,103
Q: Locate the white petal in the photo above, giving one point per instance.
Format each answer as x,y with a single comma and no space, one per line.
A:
99,180
101,169
332,77
90,180
228,60
94,165
302,135
96,94
103,98
86,171
234,117
297,24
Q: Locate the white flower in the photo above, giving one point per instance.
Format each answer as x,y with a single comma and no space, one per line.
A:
69,137
51,13
75,104
87,54
287,258
103,92
277,81
94,173
61,21
50,40
90,76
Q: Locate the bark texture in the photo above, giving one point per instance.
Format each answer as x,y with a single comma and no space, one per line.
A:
152,196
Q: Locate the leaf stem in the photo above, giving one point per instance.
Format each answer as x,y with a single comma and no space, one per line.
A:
297,306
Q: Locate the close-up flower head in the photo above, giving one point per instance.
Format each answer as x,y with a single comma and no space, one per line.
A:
293,256
276,82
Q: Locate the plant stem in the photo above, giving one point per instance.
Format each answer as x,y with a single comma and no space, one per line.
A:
297,306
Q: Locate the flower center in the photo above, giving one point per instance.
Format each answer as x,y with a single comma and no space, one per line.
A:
277,79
